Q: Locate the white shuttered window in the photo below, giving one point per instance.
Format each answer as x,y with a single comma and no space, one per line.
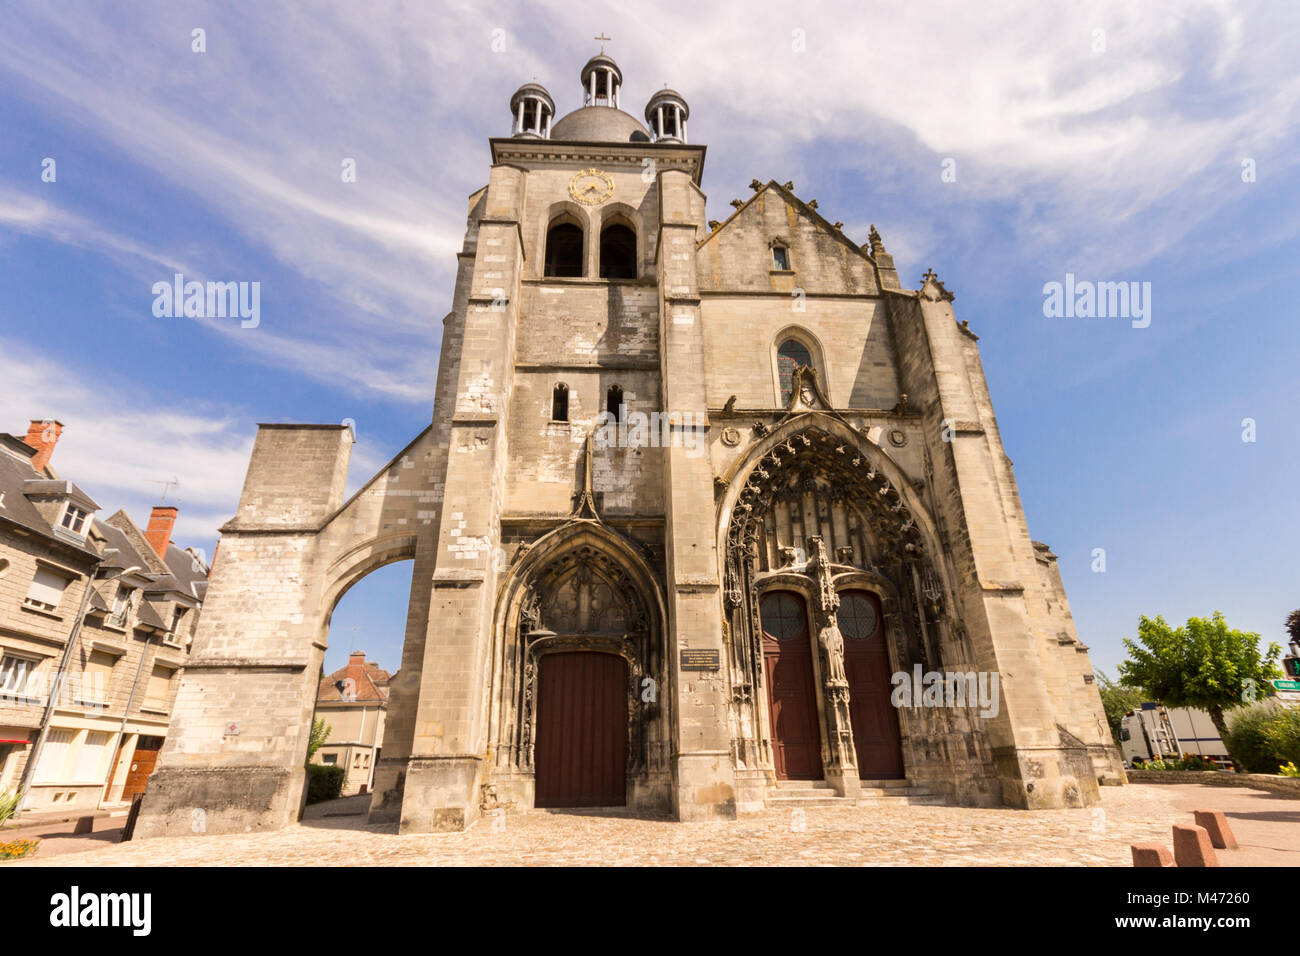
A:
46,590
54,755
90,761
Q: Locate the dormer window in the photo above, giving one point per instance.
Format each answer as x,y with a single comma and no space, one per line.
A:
121,604
780,259
173,636
74,519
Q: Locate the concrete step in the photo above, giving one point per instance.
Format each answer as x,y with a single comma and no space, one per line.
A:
789,803
803,785
887,792
788,794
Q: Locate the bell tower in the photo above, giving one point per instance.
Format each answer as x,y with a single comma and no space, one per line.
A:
576,305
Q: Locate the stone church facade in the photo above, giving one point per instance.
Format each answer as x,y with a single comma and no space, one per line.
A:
692,495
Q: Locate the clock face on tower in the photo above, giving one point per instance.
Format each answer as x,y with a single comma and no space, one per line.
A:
591,186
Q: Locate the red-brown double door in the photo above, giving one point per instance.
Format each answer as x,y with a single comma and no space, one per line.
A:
791,690
866,665
580,755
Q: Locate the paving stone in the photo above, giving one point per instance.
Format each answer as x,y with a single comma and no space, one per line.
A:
870,835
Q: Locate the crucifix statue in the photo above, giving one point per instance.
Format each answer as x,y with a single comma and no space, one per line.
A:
829,637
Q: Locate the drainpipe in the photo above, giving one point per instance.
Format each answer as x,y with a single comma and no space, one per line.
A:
126,713
29,771
374,736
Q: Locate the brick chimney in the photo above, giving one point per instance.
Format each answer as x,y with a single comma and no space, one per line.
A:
43,435
159,532
349,685
357,665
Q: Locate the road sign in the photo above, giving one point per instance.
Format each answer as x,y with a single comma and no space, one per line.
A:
1286,685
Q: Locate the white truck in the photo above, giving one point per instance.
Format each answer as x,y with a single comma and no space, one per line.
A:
1154,732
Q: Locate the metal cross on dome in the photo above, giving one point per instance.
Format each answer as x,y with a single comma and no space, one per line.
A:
603,40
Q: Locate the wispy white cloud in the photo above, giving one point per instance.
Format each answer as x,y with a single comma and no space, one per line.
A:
1076,140
27,214
118,443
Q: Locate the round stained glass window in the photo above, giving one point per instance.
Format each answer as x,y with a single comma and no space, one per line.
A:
857,616
783,616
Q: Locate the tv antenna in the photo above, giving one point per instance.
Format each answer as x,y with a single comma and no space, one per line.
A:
166,485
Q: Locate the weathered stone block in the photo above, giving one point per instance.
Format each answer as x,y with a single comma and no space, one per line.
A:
1192,846
1215,823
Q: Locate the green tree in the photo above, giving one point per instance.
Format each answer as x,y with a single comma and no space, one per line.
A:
320,732
1118,700
1203,664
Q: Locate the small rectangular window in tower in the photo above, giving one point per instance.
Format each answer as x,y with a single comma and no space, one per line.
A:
560,403
780,259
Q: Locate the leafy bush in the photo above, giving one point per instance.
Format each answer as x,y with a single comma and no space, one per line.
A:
1264,736
1157,765
17,849
323,783
1289,770
1185,762
1195,762
8,805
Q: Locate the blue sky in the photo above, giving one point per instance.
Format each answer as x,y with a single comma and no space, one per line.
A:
1115,156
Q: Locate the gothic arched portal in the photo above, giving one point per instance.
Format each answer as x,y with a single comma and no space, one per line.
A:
815,509
584,593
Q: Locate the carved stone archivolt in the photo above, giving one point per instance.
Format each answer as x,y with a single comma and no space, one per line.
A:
820,507
585,596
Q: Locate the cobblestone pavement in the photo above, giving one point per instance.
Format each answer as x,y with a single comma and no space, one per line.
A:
850,836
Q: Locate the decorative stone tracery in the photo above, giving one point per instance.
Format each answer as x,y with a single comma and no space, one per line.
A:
818,504
586,594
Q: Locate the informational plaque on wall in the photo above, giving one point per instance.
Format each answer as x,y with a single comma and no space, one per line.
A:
700,659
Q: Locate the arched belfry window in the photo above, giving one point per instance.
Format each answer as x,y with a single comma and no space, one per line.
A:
790,355
617,252
560,403
614,402
564,250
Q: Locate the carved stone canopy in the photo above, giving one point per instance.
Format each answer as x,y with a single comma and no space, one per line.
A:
815,485
583,592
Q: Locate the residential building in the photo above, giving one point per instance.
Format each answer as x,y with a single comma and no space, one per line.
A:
127,600
352,701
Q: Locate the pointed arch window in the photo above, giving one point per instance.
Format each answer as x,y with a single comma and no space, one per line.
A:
614,403
564,242
617,252
560,403
791,354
